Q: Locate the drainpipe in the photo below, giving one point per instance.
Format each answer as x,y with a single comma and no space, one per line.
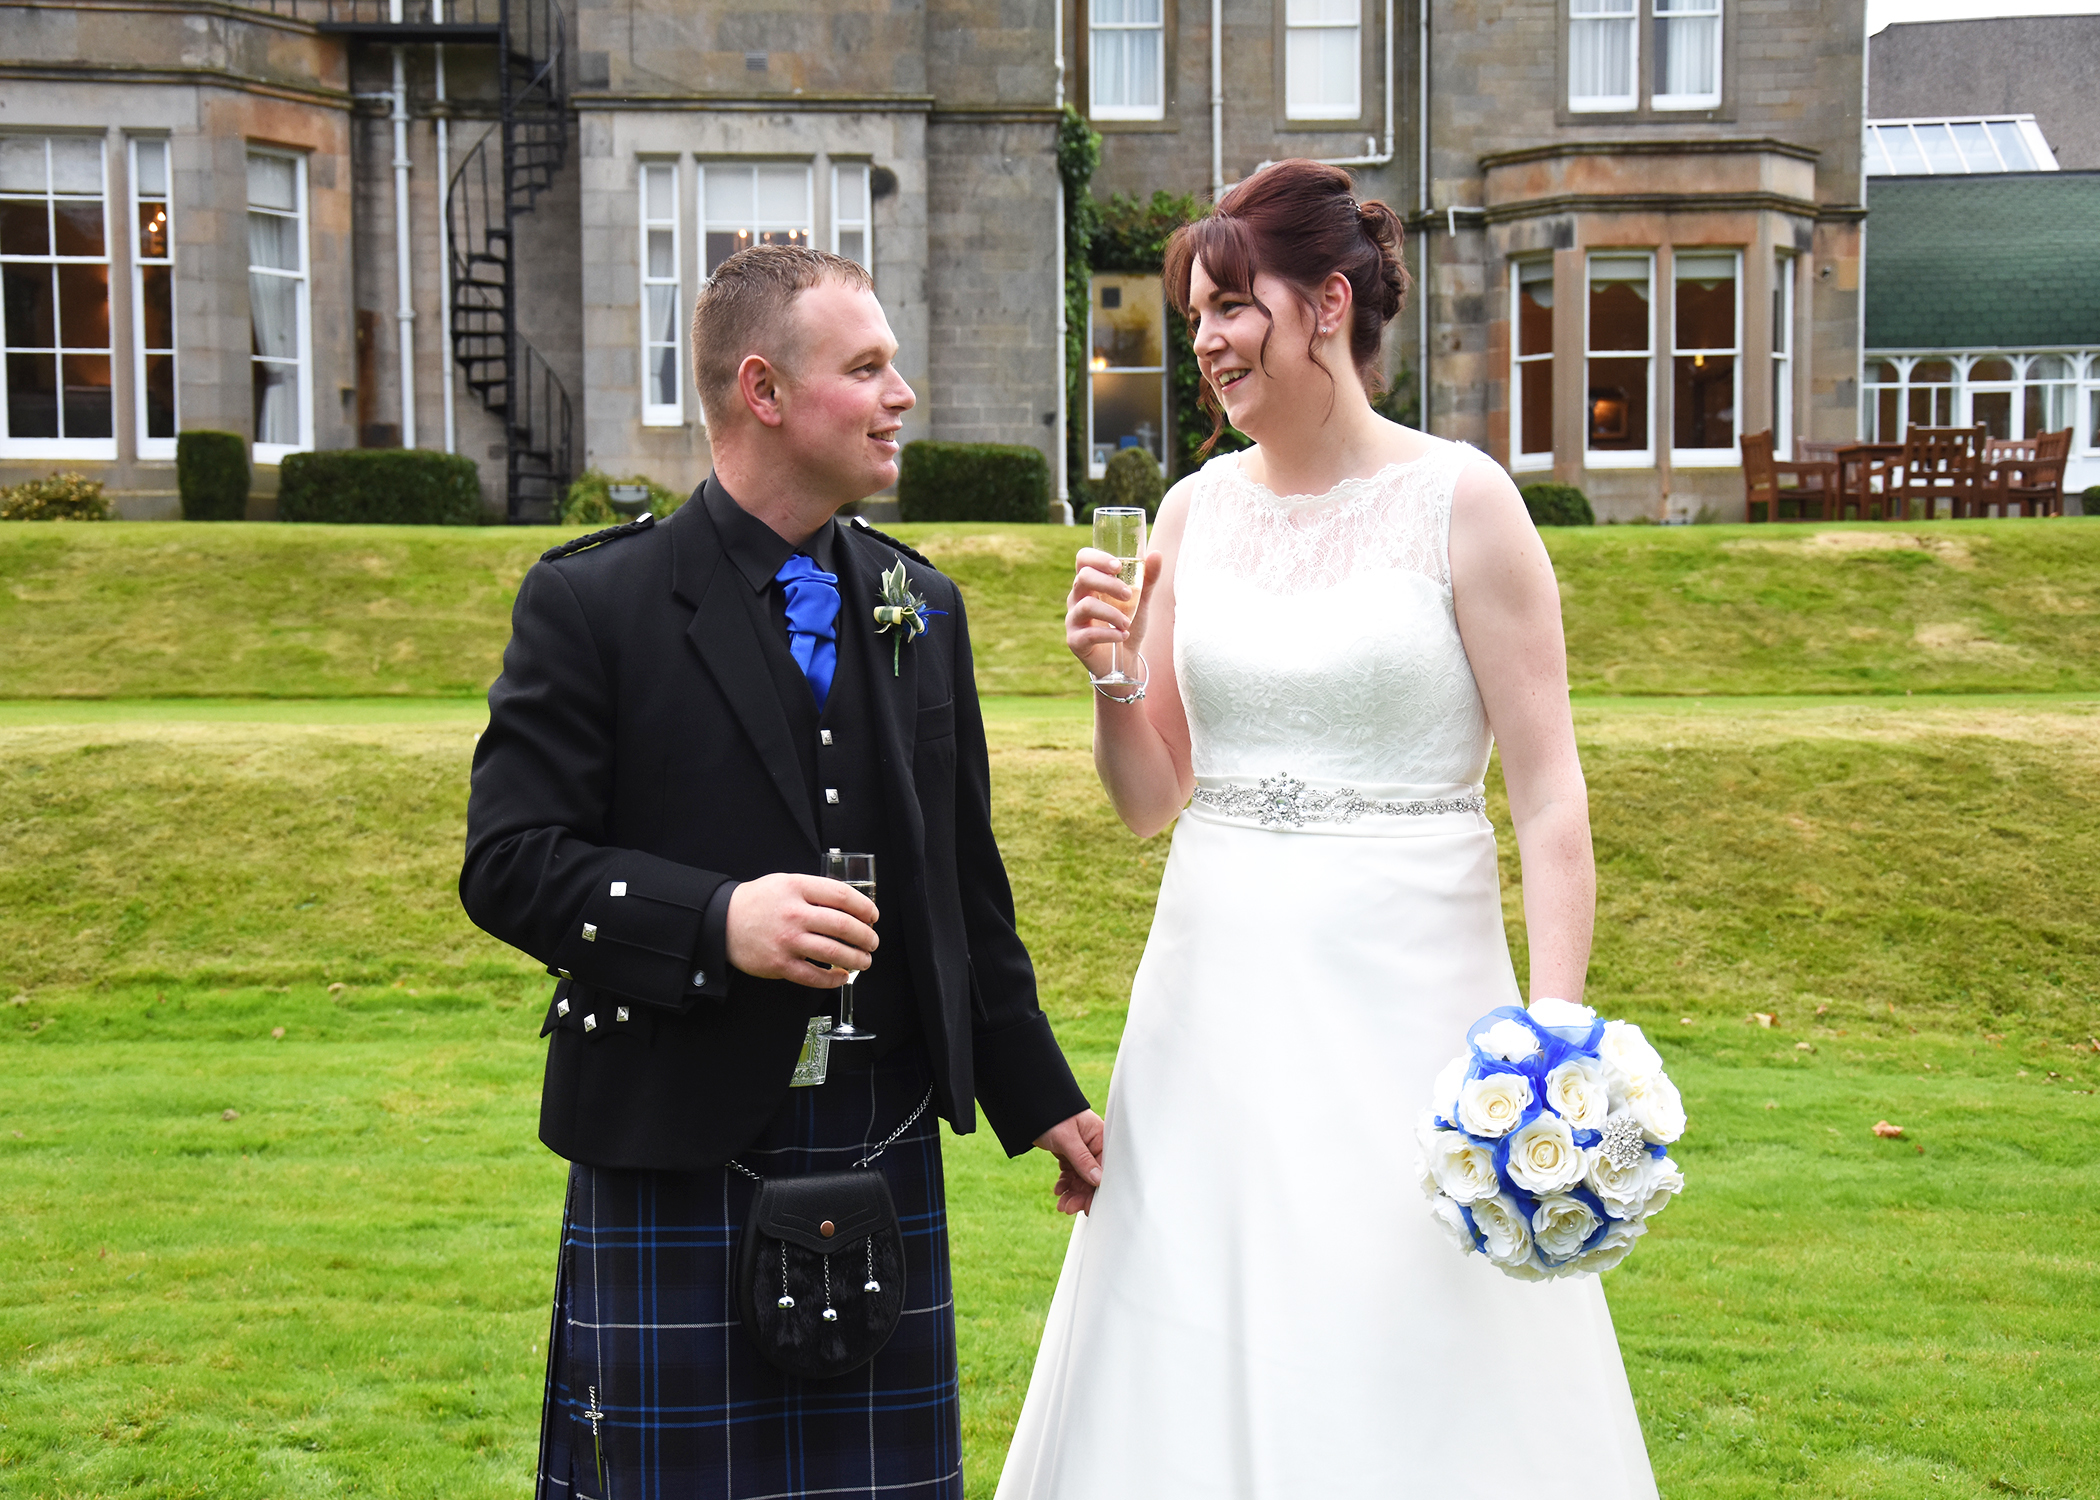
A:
405,310
1063,458
1217,99
444,165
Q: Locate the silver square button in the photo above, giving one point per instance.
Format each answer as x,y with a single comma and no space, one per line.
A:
619,887
590,932
831,794
823,736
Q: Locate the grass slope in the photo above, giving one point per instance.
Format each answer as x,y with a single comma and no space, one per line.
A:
238,609
343,1290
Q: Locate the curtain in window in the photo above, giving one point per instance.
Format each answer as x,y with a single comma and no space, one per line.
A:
1687,51
1600,52
1127,37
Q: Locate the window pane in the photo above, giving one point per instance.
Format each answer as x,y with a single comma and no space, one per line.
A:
2012,146
1932,371
32,321
1975,144
729,197
78,226
1994,410
783,197
1128,413
273,305
1705,301
273,241
1600,60
850,196
153,231
32,395
160,395
2048,367
1881,372
22,165
657,193
1938,145
1687,61
1321,74
273,182
722,244
1905,157
663,376
662,327
25,226
783,237
276,402
1875,162
76,165
663,262
1618,405
83,306
1536,404
1321,12
151,179
1129,322
1991,369
1703,413
853,245
1619,304
1126,70
1885,415
89,412
1535,308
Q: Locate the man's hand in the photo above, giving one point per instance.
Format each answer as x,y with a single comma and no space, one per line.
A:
1077,1146
786,926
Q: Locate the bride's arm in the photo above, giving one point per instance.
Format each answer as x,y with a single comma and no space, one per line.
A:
1141,749
1509,618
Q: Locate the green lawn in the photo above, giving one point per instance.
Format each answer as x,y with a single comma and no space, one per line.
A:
343,1289
237,609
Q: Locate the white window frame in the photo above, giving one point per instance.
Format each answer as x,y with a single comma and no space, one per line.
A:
1614,458
658,413
1783,268
1520,460
272,453
2029,382
65,447
2085,414
148,446
1878,162
1166,393
1299,32
864,225
807,227
1708,10
1097,32
1967,389
1706,458
1597,14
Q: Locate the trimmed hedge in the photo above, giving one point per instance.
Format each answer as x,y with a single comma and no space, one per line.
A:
211,472
62,497
1133,479
380,487
973,482
1557,505
2089,501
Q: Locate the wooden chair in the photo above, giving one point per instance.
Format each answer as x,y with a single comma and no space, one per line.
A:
1762,474
2027,472
1939,463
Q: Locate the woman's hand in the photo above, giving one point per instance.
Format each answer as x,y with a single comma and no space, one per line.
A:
1094,610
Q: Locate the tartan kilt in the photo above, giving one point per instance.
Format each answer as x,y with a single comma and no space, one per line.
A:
645,1318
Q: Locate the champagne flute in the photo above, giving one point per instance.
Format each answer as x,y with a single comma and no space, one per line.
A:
1119,530
858,871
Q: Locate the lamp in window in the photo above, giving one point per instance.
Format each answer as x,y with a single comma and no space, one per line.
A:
1608,412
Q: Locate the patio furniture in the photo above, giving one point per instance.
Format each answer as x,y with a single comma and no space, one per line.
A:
1939,463
1863,477
2027,472
1762,476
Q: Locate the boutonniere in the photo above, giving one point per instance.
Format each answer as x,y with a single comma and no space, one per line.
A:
902,611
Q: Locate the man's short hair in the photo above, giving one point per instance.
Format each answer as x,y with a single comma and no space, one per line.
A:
743,309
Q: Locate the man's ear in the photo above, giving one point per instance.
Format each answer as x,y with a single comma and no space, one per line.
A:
758,386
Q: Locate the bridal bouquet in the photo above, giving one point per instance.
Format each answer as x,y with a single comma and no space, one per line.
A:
1544,1146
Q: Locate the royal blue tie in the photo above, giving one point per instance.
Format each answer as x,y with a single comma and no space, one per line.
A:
812,607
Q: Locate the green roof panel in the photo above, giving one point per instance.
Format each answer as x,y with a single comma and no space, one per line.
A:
2005,261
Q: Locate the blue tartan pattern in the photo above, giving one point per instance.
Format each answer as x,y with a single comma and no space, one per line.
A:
646,1335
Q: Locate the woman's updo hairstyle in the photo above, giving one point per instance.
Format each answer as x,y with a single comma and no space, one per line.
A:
1298,221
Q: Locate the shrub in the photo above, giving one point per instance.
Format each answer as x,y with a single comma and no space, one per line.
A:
62,497
380,487
1557,505
973,482
2089,501
1133,479
211,471
589,500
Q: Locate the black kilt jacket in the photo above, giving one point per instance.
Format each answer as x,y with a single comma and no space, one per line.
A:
637,756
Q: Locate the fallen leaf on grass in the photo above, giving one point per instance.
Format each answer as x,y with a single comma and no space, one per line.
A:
337,988
1803,1047
1765,1017
20,1137
234,1114
1887,1131
276,1033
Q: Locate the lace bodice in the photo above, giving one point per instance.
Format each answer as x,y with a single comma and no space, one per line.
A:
1315,634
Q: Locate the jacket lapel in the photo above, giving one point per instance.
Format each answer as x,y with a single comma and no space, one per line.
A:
729,646
893,690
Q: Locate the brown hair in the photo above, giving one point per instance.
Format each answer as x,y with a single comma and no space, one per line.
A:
743,310
1300,221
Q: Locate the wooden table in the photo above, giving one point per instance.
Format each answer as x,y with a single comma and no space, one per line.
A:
1858,465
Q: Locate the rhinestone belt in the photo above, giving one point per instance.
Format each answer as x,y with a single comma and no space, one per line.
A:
1284,799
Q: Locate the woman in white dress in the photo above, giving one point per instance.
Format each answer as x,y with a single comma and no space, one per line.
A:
1340,623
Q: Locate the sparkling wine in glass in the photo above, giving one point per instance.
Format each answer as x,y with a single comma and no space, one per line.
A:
1119,530
858,871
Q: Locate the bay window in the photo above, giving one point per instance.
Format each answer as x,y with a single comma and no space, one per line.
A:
153,298
1620,366
54,298
1531,321
1783,356
1706,323
280,314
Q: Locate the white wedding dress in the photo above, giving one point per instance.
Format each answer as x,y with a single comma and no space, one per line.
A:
1259,1304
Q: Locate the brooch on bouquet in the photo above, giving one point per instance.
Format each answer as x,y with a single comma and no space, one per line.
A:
1545,1144
902,611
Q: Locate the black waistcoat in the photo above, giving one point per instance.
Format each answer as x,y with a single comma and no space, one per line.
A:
845,789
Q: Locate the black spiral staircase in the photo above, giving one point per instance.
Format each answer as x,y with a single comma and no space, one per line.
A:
499,180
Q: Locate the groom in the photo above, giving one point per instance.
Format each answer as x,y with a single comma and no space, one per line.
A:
690,713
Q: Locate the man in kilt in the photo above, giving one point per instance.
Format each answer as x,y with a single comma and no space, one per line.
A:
691,713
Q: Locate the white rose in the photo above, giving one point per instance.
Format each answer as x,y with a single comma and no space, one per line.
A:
1622,1190
1551,1012
1543,1156
1491,1106
1529,1270
1616,1245
1576,1090
1508,1041
1464,1169
1505,1230
1560,1224
1658,1108
1453,1223
1626,1054
1443,1094
1425,1135
1665,1180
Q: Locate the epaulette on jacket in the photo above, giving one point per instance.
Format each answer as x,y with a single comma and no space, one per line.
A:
890,541
592,539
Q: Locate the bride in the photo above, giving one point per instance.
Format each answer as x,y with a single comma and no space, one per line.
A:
1340,623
